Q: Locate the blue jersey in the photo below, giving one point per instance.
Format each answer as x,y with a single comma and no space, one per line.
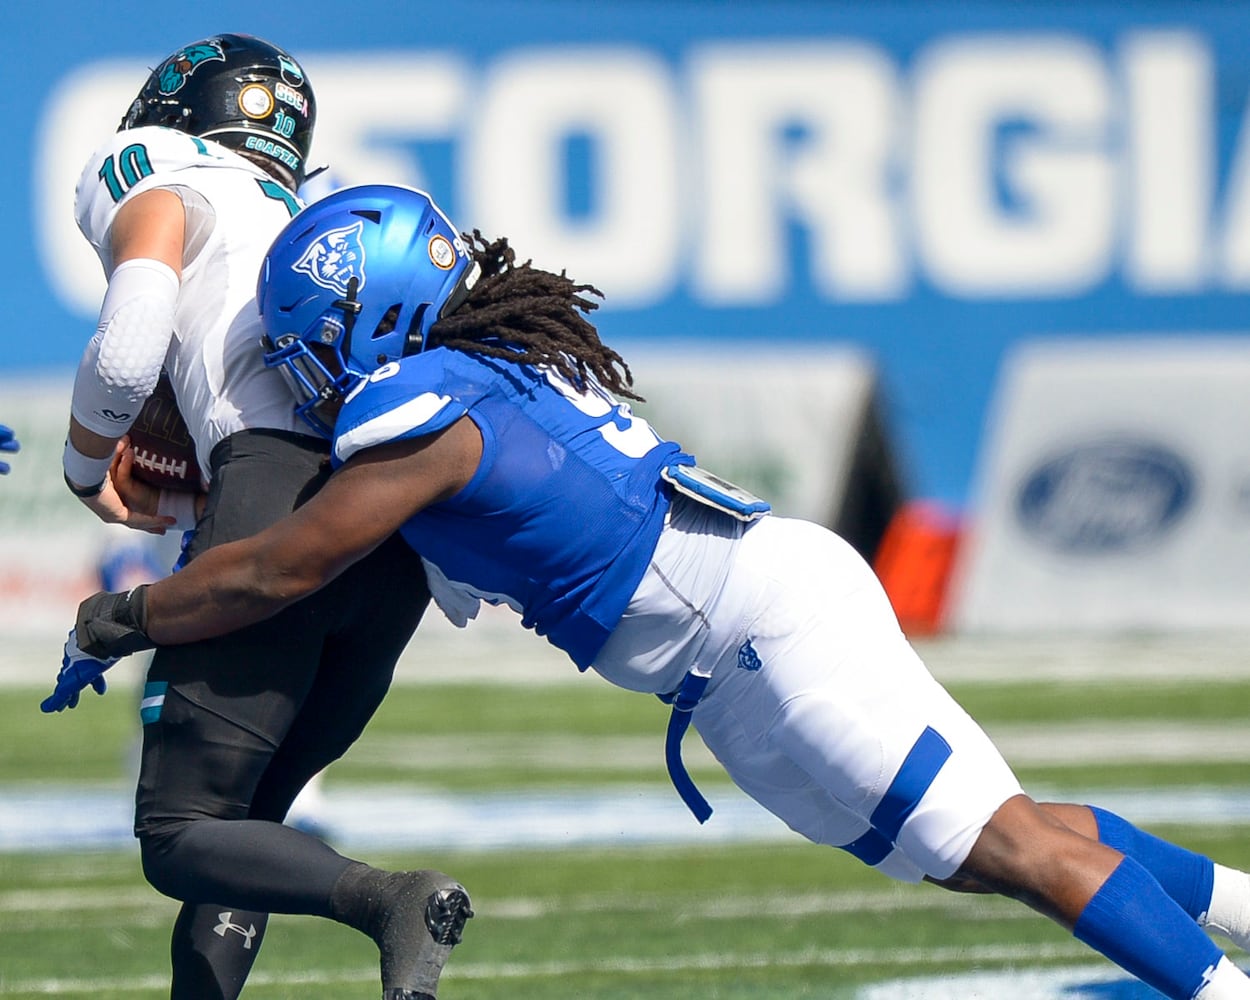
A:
562,515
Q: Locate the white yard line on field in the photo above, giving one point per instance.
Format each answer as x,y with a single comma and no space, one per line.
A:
710,961
1023,744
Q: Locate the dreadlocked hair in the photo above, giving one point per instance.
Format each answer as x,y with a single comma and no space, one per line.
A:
524,314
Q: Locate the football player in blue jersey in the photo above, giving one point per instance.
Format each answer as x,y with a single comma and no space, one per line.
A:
8,443
472,407
181,204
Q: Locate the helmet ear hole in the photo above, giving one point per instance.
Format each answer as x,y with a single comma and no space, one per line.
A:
387,323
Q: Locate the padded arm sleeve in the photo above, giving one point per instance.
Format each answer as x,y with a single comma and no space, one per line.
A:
120,366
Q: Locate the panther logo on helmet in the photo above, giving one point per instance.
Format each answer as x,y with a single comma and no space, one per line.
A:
173,74
334,258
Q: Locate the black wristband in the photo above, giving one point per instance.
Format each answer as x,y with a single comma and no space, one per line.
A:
86,492
114,624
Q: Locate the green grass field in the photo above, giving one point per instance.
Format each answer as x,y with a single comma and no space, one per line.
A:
773,920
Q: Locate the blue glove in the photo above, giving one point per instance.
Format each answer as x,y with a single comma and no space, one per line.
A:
77,671
8,442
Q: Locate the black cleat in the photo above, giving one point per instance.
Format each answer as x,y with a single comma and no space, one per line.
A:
446,913
428,914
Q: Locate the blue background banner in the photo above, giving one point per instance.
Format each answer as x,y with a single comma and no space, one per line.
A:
932,182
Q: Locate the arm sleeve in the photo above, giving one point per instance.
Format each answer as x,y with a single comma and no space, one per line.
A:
122,362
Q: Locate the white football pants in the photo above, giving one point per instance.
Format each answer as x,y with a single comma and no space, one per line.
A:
817,706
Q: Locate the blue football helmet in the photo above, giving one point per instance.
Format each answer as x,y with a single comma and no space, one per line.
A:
353,282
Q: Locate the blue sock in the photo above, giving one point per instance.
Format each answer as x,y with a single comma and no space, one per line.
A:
1185,876
1132,921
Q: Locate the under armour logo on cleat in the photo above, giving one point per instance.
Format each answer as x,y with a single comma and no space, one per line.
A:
247,933
748,658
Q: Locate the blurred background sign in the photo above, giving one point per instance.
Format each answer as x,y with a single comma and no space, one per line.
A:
1116,491
924,185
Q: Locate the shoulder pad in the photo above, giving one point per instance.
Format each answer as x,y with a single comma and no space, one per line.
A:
404,399
136,160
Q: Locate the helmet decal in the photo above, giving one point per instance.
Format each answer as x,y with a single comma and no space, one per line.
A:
291,71
288,95
182,64
442,255
256,101
334,258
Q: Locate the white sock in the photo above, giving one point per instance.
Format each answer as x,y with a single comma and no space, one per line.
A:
1227,982
1229,912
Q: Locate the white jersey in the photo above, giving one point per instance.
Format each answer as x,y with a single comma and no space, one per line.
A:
234,210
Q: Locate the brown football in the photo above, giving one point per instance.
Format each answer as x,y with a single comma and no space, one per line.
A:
164,452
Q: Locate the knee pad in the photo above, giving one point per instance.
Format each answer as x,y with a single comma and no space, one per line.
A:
161,858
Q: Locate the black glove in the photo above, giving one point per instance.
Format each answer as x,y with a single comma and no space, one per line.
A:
111,625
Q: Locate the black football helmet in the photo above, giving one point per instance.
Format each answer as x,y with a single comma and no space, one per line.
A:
239,91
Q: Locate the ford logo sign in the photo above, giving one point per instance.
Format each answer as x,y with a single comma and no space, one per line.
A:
1105,497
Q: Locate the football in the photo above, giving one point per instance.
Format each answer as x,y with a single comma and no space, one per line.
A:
164,452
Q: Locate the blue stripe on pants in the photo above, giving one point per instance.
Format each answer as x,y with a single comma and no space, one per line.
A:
920,767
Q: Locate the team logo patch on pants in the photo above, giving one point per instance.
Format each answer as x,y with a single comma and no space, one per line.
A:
748,658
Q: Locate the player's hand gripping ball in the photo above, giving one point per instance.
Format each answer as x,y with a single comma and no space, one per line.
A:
164,452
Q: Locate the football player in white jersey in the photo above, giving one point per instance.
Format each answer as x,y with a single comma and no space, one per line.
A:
181,204
473,408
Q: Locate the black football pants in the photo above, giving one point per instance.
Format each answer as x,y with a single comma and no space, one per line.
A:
250,717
